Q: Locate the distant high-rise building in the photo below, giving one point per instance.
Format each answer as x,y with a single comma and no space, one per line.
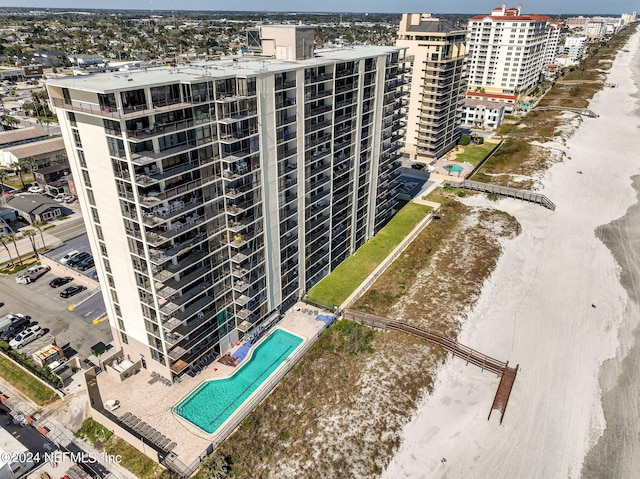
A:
507,51
437,83
216,194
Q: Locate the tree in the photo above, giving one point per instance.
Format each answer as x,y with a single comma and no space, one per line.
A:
31,235
12,237
10,121
29,162
3,178
39,225
215,467
4,239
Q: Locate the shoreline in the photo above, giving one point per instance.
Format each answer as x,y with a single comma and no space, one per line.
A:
535,310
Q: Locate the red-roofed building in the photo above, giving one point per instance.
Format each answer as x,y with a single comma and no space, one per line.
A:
507,51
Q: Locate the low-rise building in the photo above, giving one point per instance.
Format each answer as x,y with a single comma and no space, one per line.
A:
35,207
43,152
482,113
15,457
22,136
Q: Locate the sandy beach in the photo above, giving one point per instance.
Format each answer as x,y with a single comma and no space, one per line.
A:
563,304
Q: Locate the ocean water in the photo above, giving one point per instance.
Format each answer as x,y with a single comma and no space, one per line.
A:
616,455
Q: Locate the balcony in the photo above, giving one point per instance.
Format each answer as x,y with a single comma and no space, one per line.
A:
285,85
142,158
318,78
233,117
285,120
152,175
174,229
173,286
159,257
142,134
310,96
154,197
176,318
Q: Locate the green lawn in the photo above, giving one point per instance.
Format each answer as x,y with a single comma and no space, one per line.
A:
474,154
26,384
344,280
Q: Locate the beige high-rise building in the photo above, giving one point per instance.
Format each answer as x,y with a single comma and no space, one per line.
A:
437,83
508,50
215,195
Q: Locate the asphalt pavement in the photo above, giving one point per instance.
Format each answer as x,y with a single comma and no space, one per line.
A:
44,305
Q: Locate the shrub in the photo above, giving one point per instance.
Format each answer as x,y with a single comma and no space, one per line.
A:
464,140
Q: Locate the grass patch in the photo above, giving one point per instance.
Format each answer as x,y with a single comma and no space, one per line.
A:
474,154
327,375
93,432
48,227
341,282
132,459
26,384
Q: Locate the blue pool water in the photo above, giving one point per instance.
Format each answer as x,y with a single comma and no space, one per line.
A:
454,168
214,401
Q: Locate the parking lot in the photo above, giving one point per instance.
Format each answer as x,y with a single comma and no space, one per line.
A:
44,305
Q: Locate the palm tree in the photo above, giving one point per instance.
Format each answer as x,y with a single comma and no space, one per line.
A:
3,177
29,162
215,467
10,121
31,235
12,237
4,239
39,225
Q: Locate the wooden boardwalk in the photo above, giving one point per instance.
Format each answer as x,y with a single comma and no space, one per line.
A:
579,111
524,195
501,369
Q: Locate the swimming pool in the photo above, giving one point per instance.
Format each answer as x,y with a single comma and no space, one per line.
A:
214,401
453,168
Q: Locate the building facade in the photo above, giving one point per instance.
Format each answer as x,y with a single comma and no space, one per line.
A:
215,195
507,50
437,83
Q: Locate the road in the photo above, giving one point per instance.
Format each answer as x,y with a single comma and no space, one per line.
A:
61,232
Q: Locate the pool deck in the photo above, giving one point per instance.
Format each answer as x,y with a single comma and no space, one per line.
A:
153,403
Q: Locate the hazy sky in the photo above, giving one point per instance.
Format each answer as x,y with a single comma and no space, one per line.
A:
443,6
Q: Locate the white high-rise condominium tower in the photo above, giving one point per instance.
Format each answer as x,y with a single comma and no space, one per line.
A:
215,195
507,50
438,83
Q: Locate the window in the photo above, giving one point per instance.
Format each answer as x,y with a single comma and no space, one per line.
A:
99,233
90,197
76,138
72,116
85,177
123,336
107,266
81,158
114,295
95,216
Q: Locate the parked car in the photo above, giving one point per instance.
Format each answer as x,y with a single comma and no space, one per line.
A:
71,291
35,189
60,281
15,328
25,337
60,197
86,264
69,198
65,259
78,258
32,274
